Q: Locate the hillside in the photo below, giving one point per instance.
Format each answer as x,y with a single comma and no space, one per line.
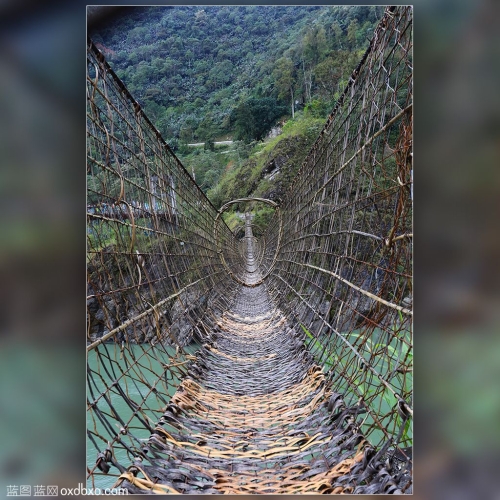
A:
271,165
206,73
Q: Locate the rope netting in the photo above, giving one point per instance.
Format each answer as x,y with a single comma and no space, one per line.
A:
258,360
344,267
153,268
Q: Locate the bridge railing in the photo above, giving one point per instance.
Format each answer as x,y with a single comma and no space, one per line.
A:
344,266
153,269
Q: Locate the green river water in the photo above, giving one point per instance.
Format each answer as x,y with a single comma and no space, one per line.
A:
135,392
384,402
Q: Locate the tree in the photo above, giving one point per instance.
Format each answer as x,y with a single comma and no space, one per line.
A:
210,179
219,56
253,118
243,122
283,75
337,35
315,45
137,35
328,73
352,32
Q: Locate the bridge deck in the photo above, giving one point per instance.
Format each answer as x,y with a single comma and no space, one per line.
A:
254,415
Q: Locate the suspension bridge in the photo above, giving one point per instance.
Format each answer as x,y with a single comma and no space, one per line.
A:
272,359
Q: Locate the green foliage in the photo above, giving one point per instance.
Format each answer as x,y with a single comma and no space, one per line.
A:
191,66
315,44
253,118
231,219
207,165
398,350
319,351
261,219
284,76
316,108
248,175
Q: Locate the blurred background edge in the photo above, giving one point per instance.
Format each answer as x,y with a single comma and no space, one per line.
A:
42,361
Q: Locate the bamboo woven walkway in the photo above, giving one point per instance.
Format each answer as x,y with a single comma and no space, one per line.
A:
256,415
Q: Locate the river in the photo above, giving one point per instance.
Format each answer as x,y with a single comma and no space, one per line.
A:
134,391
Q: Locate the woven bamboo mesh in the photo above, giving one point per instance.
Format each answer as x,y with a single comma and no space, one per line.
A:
344,267
263,360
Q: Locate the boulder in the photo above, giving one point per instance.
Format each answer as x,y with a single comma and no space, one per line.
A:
184,314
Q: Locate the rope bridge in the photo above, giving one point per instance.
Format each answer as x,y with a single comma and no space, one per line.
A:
271,359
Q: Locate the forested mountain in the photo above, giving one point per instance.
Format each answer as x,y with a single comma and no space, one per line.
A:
190,67
205,73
